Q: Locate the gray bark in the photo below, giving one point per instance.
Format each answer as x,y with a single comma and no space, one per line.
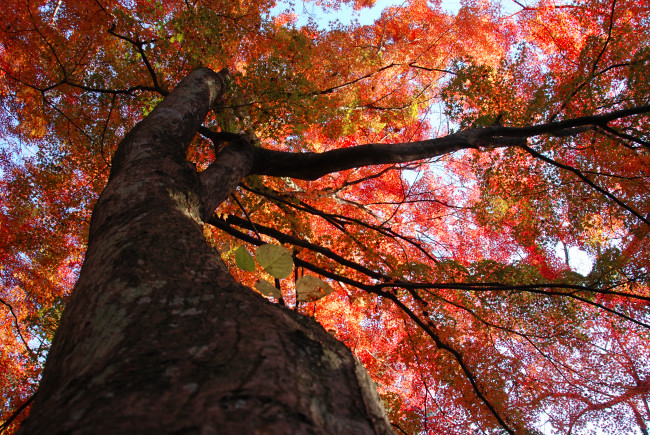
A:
157,336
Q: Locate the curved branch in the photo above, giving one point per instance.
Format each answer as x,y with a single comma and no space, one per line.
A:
544,289
389,282
428,329
340,221
20,334
311,166
285,238
585,179
139,45
625,136
351,82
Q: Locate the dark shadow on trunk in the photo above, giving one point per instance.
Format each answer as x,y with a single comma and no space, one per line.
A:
158,337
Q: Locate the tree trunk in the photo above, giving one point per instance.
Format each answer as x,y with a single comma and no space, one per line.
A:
158,337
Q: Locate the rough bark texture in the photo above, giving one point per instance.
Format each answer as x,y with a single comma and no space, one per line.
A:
158,337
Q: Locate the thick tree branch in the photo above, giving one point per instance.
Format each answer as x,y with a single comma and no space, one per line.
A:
224,174
311,166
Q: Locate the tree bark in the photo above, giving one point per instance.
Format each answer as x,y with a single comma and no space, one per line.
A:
158,337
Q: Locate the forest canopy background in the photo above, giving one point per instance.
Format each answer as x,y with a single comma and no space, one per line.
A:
453,277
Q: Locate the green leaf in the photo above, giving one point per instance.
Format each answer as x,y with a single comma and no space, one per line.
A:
276,260
309,288
267,289
244,260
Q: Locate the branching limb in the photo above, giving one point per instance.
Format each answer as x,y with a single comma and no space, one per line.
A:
387,282
428,329
340,221
139,45
20,334
585,179
625,136
311,166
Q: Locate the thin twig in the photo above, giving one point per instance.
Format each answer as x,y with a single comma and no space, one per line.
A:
20,334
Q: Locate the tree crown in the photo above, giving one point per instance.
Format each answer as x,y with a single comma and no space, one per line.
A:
440,173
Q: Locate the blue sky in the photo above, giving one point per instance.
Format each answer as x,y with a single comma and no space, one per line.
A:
345,14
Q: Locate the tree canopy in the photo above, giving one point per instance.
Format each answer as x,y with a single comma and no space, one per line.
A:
436,175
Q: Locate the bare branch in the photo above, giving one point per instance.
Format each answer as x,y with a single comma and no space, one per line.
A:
351,82
608,40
